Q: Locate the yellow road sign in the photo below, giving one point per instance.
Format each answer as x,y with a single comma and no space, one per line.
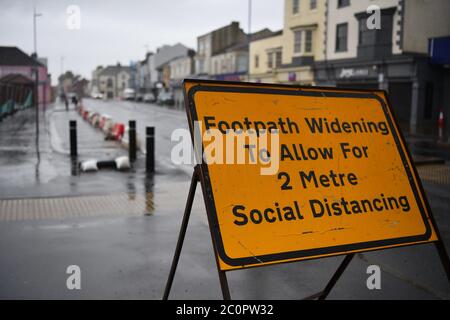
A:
344,180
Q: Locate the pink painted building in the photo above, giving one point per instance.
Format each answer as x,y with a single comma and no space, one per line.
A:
15,61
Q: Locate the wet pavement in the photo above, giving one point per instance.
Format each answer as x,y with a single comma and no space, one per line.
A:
126,254
428,146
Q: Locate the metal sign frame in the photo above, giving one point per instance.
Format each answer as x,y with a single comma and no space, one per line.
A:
201,175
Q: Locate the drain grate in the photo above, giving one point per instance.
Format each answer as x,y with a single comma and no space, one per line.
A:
67,207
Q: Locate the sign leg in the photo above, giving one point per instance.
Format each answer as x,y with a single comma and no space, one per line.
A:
184,224
324,294
224,285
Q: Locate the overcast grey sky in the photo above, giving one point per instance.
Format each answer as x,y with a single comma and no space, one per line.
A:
119,31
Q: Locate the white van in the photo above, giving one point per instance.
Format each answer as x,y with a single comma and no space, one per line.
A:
129,94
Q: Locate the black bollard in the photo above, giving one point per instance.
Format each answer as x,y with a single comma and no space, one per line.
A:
132,140
73,138
150,138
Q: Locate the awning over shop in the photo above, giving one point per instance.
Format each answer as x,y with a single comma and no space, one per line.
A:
439,50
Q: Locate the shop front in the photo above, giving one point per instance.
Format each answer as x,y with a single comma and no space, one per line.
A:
413,85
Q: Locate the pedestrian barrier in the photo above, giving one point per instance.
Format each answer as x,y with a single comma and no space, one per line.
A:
441,125
85,114
120,163
117,131
132,140
103,120
91,117
150,148
107,126
95,120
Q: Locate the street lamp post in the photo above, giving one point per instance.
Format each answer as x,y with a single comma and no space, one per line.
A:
35,15
36,69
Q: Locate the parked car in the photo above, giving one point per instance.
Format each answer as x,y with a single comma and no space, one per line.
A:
97,95
165,98
139,97
129,94
149,97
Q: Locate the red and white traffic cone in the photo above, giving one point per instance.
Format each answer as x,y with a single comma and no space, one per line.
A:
441,125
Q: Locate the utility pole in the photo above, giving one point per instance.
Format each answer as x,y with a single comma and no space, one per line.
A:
62,65
35,15
249,36
36,70
61,79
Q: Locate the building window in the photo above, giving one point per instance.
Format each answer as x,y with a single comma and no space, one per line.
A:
242,63
256,61
375,43
200,66
278,58
297,41
313,4
308,41
270,60
274,59
295,6
109,83
343,3
341,37
366,36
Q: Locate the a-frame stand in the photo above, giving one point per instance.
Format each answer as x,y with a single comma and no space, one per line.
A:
322,295
187,213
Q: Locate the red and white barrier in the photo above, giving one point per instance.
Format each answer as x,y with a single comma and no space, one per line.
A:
441,125
113,131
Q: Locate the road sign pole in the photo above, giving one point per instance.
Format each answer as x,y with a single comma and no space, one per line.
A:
184,224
